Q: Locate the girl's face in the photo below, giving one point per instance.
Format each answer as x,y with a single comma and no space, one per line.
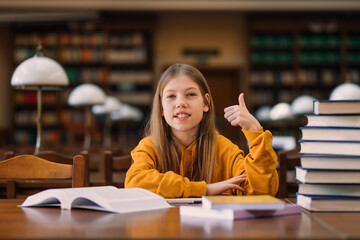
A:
183,105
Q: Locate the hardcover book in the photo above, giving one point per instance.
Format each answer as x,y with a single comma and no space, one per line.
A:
330,147
249,202
331,133
333,120
107,198
328,161
328,203
326,189
336,106
326,175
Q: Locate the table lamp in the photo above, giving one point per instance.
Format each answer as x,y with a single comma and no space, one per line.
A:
346,91
39,73
127,113
85,96
111,104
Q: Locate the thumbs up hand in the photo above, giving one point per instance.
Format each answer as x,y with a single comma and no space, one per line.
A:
238,115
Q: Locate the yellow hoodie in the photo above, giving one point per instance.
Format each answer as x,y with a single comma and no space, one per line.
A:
259,166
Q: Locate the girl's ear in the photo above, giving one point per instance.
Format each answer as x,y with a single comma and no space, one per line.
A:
206,102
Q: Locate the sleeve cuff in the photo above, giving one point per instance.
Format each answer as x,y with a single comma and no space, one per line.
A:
198,189
252,135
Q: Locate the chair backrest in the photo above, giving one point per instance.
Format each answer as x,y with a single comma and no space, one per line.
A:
58,158
8,154
30,167
286,169
115,168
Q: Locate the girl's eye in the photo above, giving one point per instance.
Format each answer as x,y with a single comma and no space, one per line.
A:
170,96
191,94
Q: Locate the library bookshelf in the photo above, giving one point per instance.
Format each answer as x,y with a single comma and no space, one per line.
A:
111,52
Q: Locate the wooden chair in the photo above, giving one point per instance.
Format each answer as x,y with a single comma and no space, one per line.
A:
286,170
95,157
30,169
114,168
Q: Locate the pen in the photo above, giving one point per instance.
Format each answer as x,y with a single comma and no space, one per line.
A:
184,200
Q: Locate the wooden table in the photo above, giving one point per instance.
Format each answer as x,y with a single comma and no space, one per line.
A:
54,223
345,225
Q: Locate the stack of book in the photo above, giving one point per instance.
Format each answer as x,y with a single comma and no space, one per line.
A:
329,176
239,207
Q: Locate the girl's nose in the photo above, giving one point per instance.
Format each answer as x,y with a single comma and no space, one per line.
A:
181,102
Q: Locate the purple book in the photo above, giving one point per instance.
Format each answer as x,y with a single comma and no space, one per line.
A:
194,211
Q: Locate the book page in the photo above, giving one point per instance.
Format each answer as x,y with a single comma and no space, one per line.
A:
120,200
50,197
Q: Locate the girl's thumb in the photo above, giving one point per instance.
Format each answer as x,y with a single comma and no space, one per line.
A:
241,100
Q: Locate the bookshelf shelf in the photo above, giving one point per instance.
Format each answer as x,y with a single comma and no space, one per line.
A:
119,60
288,59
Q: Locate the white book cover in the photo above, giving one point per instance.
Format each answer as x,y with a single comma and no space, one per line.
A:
327,175
330,147
327,161
331,133
336,106
329,189
318,203
334,120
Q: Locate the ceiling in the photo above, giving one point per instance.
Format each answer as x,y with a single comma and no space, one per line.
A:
60,10
182,5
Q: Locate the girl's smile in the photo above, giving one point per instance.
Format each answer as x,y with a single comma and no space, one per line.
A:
182,115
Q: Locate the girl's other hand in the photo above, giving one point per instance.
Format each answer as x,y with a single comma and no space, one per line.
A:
220,188
238,115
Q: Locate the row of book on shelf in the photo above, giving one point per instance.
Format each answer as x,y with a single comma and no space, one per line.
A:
326,77
50,136
53,39
281,41
71,55
106,75
329,175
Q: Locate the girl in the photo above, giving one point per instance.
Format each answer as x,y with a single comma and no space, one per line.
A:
184,156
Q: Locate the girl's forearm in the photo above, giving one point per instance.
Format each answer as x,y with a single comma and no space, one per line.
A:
168,185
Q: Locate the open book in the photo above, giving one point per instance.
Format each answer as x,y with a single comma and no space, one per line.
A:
107,198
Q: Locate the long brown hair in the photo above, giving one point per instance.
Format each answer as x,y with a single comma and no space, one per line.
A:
165,144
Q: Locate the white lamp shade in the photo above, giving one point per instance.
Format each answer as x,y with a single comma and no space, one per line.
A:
111,104
86,94
127,112
280,111
346,91
302,104
39,71
263,113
